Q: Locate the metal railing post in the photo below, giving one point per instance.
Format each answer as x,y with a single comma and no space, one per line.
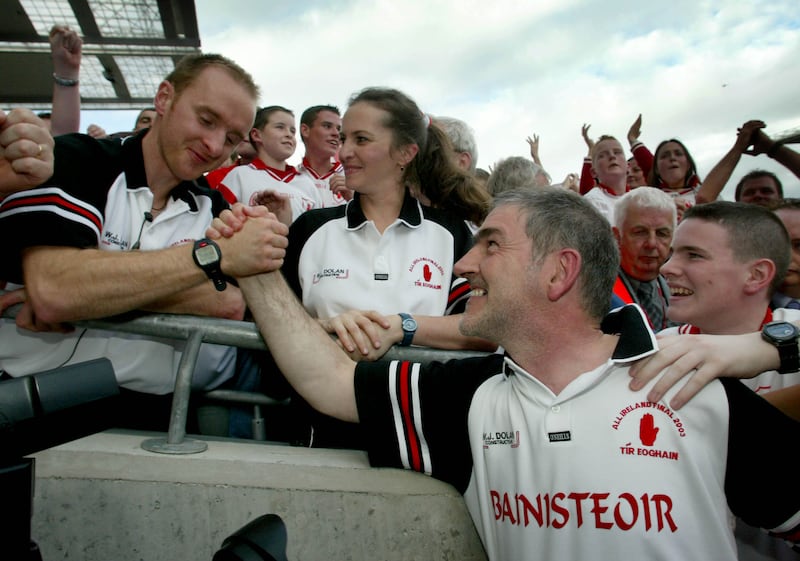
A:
176,441
196,330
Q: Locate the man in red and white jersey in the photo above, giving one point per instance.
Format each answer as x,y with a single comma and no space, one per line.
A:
727,261
611,169
556,457
320,127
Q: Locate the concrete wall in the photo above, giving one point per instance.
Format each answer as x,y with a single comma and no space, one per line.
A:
104,498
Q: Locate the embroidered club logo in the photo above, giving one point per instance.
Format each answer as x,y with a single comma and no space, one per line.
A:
427,273
643,424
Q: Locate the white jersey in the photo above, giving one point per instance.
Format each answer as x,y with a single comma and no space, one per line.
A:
323,182
766,381
687,195
595,472
338,261
243,182
604,201
98,198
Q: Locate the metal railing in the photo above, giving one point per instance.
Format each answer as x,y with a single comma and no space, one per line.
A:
196,330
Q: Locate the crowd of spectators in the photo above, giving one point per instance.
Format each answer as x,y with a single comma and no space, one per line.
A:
382,234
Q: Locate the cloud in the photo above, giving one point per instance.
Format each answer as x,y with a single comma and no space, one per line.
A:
695,70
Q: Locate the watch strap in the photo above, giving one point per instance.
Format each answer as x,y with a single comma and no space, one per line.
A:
786,343
790,357
408,334
212,270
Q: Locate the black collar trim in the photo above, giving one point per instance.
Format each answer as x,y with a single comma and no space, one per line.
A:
410,213
135,177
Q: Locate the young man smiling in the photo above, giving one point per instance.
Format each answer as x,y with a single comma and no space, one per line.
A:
727,260
320,128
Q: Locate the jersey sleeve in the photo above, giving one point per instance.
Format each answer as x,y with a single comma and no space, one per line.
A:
415,415
231,185
643,157
587,181
66,210
759,484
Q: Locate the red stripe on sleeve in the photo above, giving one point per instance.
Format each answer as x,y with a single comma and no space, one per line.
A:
405,407
38,200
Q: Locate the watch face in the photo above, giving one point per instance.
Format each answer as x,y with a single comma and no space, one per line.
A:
206,254
781,331
409,324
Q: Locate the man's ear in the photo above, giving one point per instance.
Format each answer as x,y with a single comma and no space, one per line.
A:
616,233
165,94
304,131
464,160
760,275
566,266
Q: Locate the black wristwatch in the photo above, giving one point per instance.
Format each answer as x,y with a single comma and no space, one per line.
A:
784,336
409,326
208,256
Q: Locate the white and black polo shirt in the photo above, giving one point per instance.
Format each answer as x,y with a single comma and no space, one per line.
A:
97,198
596,472
337,260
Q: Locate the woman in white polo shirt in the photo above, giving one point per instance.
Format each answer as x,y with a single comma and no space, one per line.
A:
378,271
358,266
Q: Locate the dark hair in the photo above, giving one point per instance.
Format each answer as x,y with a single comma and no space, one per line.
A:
433,170
788,203
310,115
557,219
262,118
754,232
263,114
755,174
691,179
190,66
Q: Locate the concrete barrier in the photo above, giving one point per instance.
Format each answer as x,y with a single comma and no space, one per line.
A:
104,498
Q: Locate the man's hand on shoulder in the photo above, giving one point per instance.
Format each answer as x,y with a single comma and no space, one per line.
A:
703,358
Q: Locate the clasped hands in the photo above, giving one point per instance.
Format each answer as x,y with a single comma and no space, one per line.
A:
258,233
252,240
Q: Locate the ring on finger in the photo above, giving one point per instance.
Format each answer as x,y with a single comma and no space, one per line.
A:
41,149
